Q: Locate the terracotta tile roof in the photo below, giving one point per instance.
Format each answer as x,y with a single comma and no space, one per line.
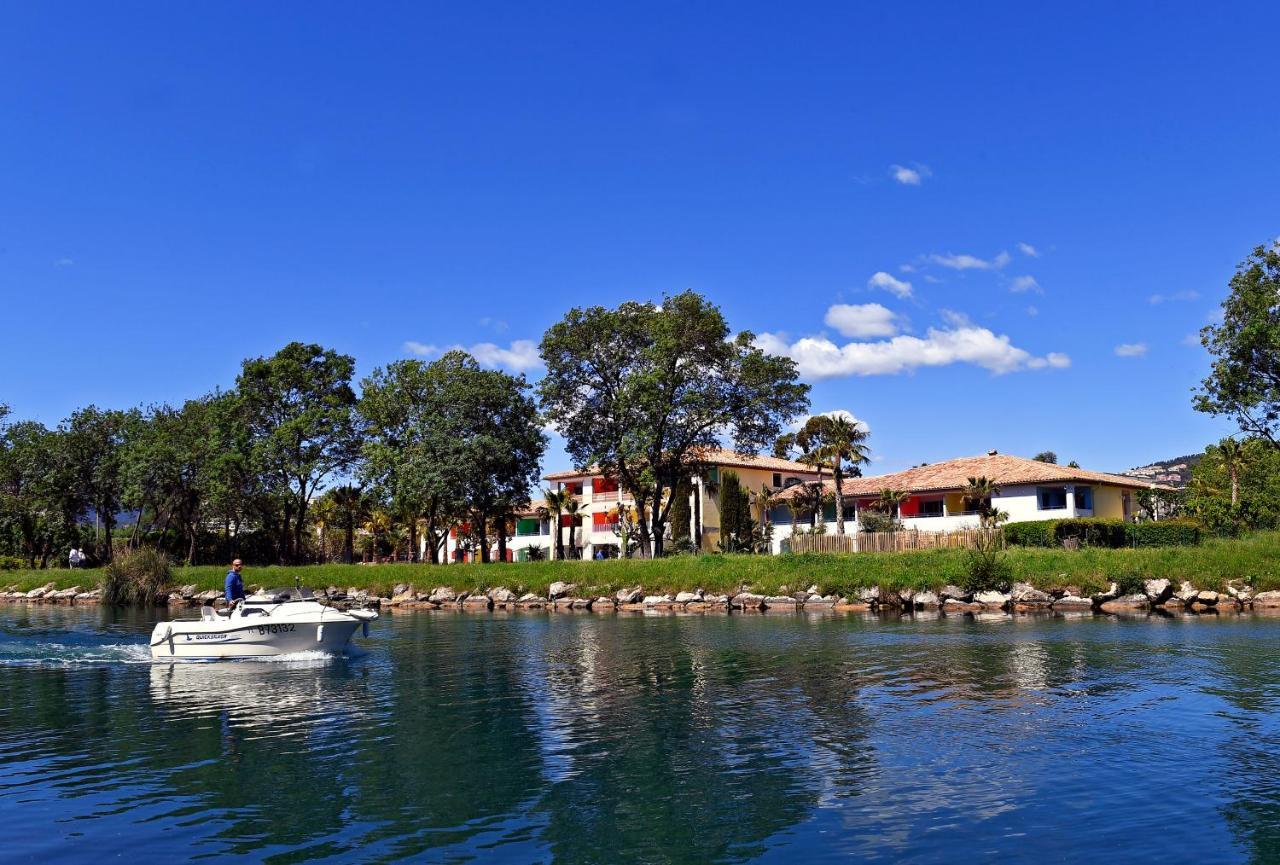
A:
716,457
1001,469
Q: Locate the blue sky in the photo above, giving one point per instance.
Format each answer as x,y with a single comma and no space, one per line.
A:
185,186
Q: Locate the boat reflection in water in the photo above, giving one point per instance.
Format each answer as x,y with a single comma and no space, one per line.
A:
286,694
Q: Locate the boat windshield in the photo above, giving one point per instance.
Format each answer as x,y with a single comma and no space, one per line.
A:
280,596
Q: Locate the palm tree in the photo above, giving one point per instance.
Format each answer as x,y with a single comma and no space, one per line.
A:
571,507
978,494
380,526
1235,459
831,441
352,507
891,500
766,500
324,513
555,501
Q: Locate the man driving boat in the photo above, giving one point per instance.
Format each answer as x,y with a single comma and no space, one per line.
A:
234,584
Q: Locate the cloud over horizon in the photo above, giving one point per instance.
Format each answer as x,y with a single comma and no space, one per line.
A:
867,319
521,356
970,262
890,283
961,341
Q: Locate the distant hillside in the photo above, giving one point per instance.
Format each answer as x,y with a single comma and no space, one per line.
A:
1175,472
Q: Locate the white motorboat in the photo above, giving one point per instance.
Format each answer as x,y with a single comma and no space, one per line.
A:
274,622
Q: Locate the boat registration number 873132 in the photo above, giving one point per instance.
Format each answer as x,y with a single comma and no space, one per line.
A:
275,629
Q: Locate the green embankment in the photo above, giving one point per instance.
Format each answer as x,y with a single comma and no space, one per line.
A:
1207,566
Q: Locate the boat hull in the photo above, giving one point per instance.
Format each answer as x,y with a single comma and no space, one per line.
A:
251,638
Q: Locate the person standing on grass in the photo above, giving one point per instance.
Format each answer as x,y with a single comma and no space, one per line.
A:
234,585
74,558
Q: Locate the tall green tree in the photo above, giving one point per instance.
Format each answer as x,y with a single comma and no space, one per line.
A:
96,445
645,391
554,501
1046,457
299,408
413,448
1244,382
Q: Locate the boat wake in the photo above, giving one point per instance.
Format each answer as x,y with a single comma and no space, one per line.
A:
48,653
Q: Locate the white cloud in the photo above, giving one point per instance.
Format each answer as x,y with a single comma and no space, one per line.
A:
520,356
1131,349
960,342
1021,284
1157,299
867,319
64,262
1028,250
909,176
890,283
970,262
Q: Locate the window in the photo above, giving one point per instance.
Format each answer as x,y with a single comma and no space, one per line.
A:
931,508
1052,498
791,482
777,479
1084,498
713,475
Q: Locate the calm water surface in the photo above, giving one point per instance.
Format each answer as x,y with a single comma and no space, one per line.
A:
594,739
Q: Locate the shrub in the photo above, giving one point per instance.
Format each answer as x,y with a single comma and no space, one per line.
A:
1092,532
136,577
1037,533
11,563
1165,533
986,568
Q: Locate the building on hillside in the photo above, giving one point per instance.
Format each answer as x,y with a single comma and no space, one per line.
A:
1028,490
596,532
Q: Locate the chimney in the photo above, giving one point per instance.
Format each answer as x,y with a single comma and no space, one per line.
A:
992,452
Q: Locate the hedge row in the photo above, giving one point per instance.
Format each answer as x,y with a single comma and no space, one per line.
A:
1097,532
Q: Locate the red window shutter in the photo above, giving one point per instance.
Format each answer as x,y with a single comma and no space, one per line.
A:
910,507
599,519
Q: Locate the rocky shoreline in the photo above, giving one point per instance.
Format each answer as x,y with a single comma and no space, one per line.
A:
1157,595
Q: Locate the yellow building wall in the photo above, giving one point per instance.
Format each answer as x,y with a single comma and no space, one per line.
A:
751,480
1108,502
955,503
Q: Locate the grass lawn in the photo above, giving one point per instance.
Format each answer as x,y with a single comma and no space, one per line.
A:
1207,567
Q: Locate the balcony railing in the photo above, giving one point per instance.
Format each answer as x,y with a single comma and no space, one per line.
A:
607,496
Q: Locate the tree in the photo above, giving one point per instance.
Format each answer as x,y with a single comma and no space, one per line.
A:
351,507
736,524
681,516
829,441
1046,457
1235,458
498,440
555,501
415,441
95,447
978,494
645,391
299,409
1244,382
572,506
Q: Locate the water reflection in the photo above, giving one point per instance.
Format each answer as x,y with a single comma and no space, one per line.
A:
533,738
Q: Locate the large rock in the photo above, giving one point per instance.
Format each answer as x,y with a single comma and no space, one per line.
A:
1073,602
1241,593
442,595
629,596
924,600
1187,592
955,605
1157,590
559,589
657,600
1126,604
403,594
581,603
950,591
36,594
188,591
1207,598
869,595
746,601
780,603
1267,599
686,597
1109,595
603,604
1025,593
477,601
990,600
502,595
